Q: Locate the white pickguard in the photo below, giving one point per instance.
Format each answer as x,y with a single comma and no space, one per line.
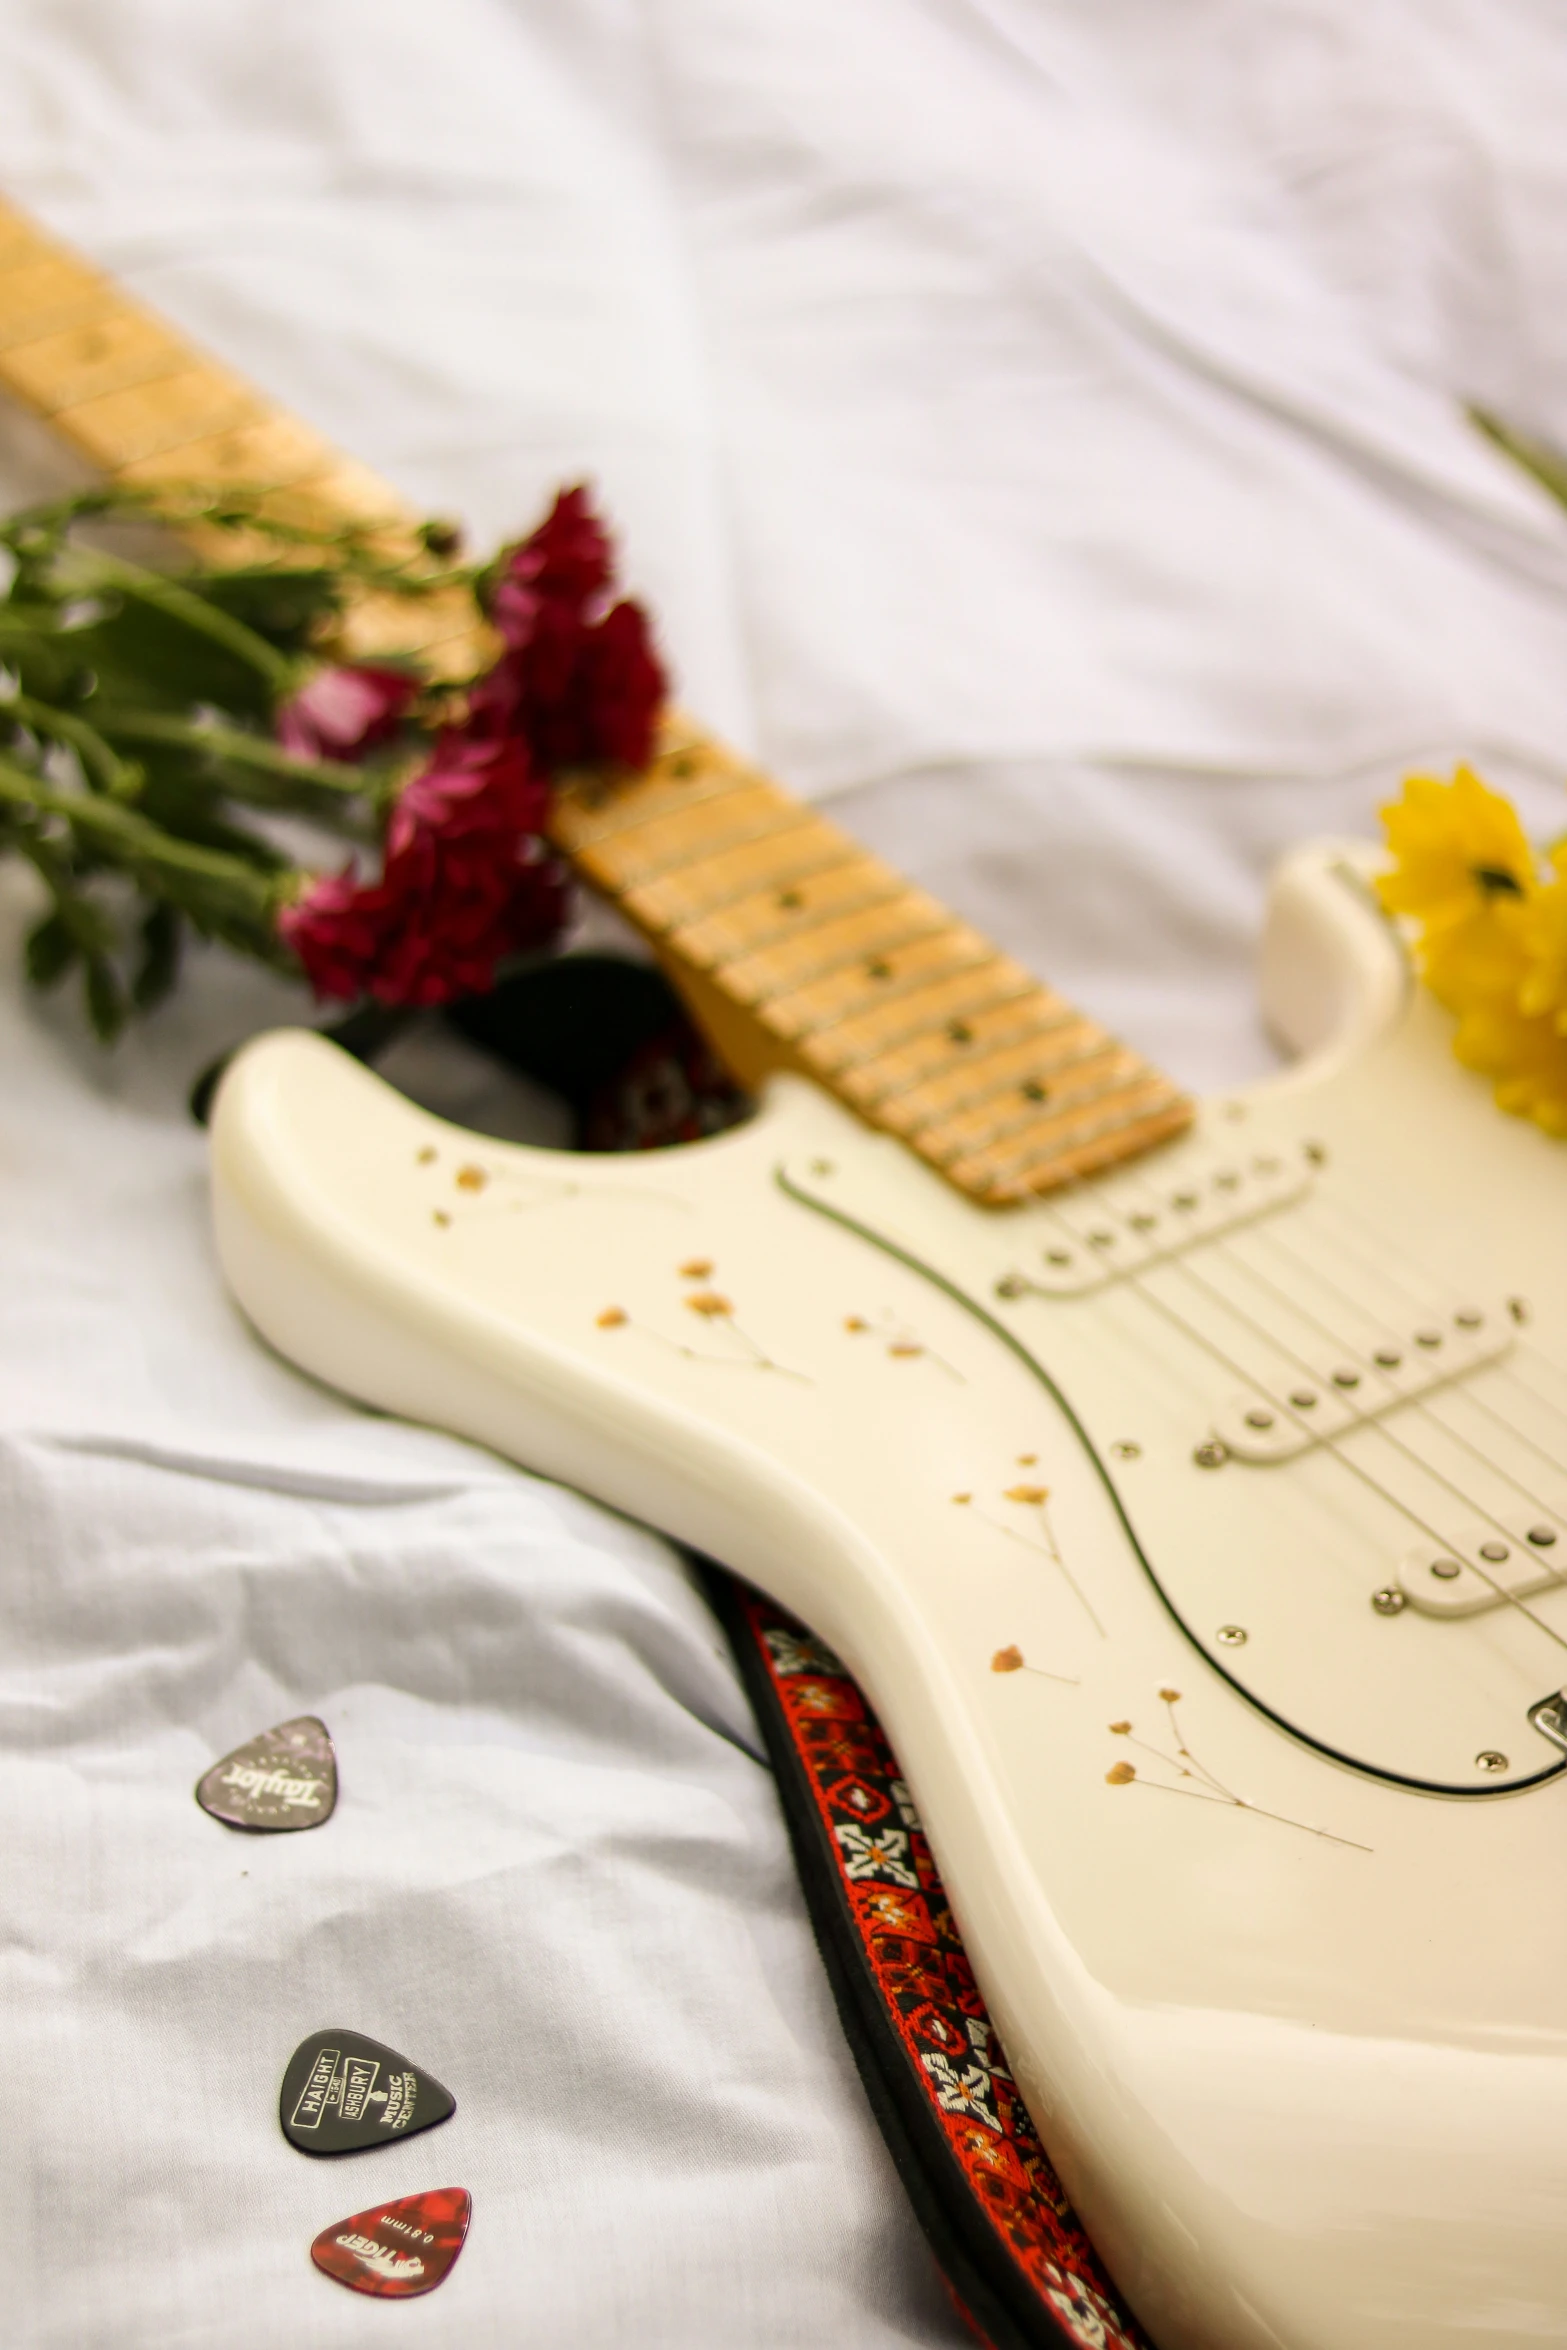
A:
1301,2058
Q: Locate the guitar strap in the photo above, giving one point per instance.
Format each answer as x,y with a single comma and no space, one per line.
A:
1010,2246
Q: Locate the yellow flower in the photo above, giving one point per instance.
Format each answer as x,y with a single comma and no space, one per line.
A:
1543,929
1463,871
1491,935
1524,1055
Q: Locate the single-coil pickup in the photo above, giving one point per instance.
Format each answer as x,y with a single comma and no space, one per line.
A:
1319,1402
1486,1566
1122,1226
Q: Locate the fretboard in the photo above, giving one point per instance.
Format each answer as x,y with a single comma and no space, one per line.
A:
794,947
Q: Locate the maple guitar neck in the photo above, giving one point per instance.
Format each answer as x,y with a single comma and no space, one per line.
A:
794,948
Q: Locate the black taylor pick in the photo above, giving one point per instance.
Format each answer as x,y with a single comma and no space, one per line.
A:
342,2092
286,1778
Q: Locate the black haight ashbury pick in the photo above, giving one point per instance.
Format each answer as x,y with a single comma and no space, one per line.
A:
342,2093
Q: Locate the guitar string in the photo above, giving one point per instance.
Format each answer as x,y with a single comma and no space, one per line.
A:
1419,1404
1370,1422
1264,1231
1210,1344
1389,1254
1364,1419
1206,1342
1505,1369
1332,1447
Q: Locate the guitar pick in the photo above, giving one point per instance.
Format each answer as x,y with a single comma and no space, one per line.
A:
286,1778
342,2092
397,2249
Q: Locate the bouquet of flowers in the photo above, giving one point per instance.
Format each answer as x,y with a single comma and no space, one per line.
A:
182,753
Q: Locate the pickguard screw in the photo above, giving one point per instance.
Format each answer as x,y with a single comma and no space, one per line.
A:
1125,1450
1211,1455
1389,1601
1231,1635
1490,1761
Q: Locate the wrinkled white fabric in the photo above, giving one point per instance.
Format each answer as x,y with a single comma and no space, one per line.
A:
1039,425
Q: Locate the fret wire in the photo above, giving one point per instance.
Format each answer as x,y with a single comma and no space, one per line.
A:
1010,1111
783,907
1015,1020
752,811
581,823
970,1082
833,945
1021,1164
822,1004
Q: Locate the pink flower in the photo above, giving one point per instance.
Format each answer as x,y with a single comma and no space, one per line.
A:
344,712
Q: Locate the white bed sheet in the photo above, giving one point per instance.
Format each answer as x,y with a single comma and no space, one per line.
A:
1037,425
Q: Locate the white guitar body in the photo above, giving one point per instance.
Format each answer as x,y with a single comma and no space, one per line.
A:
1281,1966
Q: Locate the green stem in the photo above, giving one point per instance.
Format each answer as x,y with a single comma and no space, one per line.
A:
218,891
191,611
97,756
240,749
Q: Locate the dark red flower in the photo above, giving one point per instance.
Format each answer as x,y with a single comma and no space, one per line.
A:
583,685
622,689
467,881
344,712
467,878
568,557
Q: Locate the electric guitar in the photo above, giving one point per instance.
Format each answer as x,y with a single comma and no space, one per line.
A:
1145,1465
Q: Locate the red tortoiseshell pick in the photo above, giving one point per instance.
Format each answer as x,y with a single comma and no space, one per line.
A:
395,2250
286,1778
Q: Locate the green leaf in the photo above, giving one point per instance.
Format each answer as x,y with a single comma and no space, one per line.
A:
51,950
285,607
144,655
162,936
1547,463
107,1010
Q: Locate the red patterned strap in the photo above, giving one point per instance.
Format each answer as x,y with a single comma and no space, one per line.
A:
1013,2250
